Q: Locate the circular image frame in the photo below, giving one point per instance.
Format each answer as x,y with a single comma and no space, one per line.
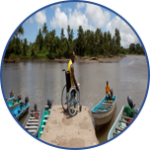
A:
13,134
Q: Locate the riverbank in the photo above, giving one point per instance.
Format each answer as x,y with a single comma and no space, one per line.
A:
111,59
70,132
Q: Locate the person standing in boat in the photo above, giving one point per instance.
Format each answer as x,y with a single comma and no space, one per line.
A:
71,71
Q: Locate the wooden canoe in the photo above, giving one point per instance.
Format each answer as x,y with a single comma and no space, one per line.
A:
44,119
14,103
32,122
103,111
19,111
120,123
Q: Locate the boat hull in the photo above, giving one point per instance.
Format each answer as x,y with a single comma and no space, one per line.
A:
22,114
116,123
11,108
19,112
46,112
110,134
103,118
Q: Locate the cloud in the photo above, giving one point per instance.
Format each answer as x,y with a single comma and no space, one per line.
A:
60,19
96,15
80,5
77,18
74,19
30,20
57,5
40,18
126,33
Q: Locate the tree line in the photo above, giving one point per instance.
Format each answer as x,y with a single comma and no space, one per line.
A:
87,43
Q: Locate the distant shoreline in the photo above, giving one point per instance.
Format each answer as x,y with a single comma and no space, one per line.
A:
112,59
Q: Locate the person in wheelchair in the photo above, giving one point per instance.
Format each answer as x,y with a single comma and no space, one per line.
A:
72,96
71,71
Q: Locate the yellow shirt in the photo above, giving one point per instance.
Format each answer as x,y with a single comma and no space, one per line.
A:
107,87
69,69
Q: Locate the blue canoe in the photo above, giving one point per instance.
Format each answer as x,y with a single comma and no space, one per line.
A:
104,110
19,111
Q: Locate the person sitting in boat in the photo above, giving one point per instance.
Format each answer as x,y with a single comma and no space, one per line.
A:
109,92
19,97
26,100
36,114
129,108
11,94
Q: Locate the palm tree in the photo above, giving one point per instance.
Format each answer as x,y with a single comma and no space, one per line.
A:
62,34
25,47
44,30
17,46
117,37
92,42
68,30
20,31
39,39
109,36
80,40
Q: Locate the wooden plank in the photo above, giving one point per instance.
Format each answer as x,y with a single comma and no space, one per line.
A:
45,121
32,117
107,104
32,123
32,131
119,129
115,133
31,127
46,116
33,120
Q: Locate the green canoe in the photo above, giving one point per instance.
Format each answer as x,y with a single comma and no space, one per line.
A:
44,119
13,103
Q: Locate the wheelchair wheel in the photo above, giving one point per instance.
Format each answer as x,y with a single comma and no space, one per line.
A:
64,98
72,101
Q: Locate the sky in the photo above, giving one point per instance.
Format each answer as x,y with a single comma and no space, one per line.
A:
89,16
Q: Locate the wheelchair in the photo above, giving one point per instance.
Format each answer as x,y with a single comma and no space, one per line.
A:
70,97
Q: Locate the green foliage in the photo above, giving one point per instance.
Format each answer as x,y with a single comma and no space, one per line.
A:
135,49
51,55
87,44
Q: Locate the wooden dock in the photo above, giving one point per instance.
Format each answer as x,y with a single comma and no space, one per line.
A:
72,132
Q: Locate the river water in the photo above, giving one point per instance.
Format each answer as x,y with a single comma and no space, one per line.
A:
42,80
